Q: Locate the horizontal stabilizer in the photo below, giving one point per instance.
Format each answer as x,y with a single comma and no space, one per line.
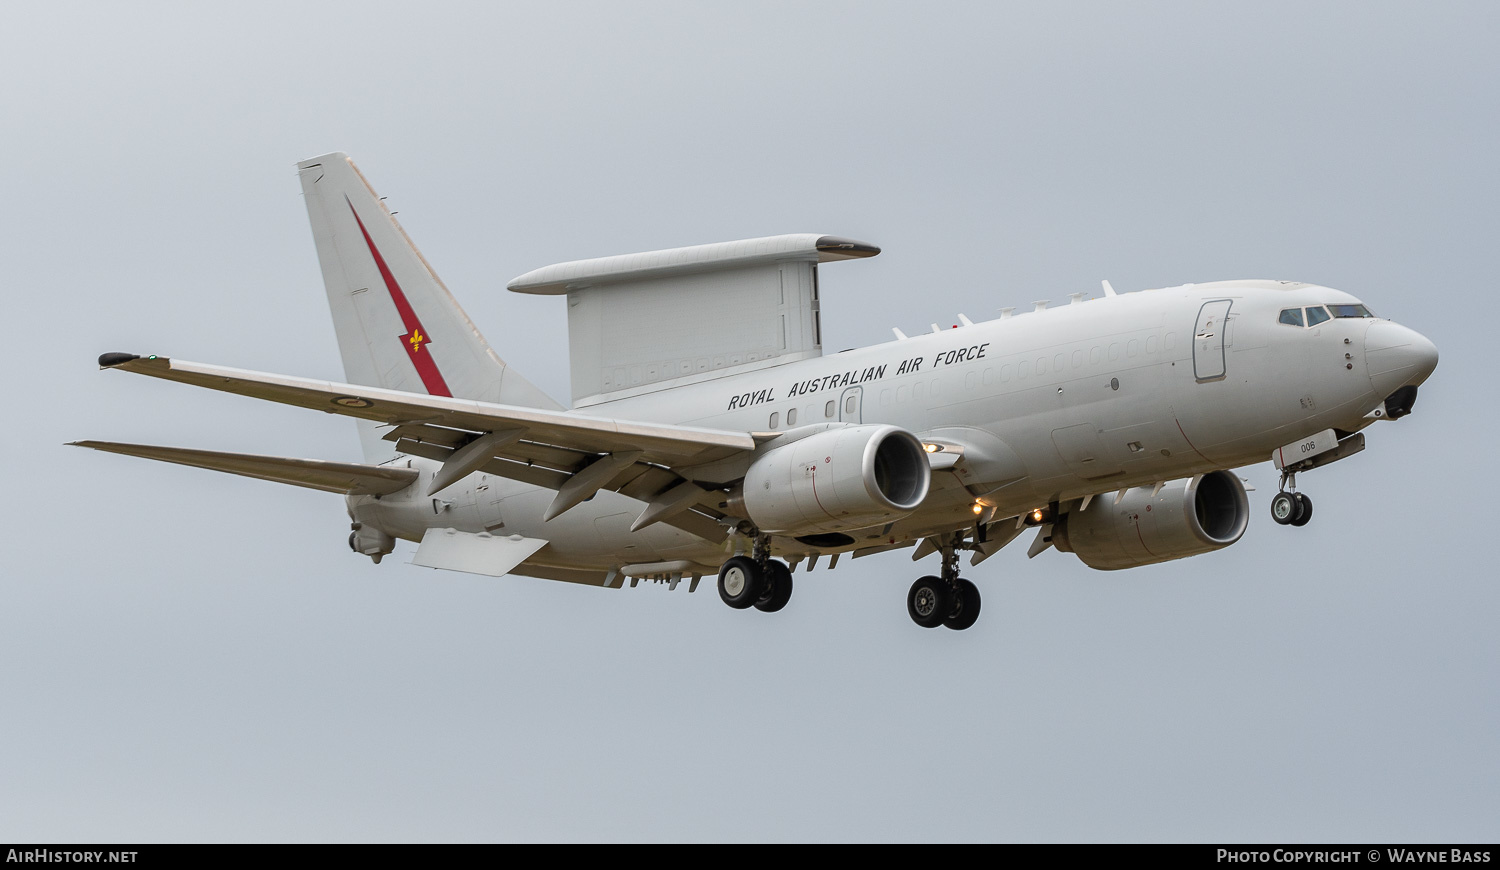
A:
482,553
341,477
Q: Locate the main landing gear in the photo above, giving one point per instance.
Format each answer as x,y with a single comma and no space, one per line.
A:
947,600
1290,508
756,581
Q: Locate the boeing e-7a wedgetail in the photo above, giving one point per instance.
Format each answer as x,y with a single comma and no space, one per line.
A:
709,432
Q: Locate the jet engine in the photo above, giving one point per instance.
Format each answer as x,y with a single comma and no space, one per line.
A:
836,480
1185,518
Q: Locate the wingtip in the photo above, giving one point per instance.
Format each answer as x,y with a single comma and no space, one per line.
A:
110,360
90,444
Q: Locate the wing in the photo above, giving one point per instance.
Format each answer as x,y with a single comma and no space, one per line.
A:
342,477
576,455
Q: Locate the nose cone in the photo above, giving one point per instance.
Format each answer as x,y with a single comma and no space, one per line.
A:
1397,356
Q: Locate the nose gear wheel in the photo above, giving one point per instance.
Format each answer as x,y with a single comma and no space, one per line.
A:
1290,508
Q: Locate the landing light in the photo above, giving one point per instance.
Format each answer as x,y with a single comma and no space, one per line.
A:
933,448
978,508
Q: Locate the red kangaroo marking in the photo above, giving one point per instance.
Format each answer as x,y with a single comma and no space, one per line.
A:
416,337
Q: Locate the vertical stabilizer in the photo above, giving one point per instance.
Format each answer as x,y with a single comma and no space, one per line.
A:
398,327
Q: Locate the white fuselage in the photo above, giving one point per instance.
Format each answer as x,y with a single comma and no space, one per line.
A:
1053,405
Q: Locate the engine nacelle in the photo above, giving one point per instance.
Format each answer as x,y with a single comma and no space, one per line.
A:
843,478
1187,517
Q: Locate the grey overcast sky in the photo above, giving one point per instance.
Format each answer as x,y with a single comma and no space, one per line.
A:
191,656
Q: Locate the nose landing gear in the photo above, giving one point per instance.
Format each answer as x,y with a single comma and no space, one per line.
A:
1289,508
948,600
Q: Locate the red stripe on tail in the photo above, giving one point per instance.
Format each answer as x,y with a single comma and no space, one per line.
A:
416,337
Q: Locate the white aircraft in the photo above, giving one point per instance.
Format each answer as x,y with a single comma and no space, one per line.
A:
710,433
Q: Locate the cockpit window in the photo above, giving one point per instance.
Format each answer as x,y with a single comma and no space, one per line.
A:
1317,314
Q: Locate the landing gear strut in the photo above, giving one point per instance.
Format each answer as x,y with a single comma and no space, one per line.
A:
756,580
1290,508
947,600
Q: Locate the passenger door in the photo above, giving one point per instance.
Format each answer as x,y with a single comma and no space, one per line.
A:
1208,340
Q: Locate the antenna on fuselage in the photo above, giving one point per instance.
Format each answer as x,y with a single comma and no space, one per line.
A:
1108,290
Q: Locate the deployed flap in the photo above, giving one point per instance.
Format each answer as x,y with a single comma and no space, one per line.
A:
343,477
644,322
471,553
